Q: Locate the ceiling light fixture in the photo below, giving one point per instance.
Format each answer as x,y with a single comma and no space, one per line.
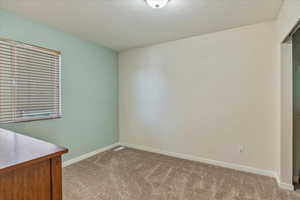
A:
157,3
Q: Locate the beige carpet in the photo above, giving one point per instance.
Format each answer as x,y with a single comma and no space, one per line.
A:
136,175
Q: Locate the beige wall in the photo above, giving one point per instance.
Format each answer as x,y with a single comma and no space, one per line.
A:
288,17
205,96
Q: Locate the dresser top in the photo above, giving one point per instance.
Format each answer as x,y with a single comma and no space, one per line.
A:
18,150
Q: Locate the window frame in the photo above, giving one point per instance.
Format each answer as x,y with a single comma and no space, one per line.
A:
47,51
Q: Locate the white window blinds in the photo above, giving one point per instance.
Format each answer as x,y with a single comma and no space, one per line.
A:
29,82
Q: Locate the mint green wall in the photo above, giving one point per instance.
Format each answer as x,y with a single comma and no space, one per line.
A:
89,88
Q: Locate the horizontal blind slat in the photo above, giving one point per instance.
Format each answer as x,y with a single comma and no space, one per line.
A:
11,52
20,59
49,111
7,73
29,103
5,88
26,62
30,95
4,63
27,49
32,83
25,98
22,51
25,76
20,78
28,72
31,109
32,101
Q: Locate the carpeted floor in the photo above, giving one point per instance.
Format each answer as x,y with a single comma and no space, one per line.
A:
136,175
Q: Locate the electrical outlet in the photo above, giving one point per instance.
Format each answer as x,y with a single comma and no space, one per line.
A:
241,148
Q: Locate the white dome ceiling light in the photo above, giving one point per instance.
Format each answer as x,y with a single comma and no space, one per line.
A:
157,3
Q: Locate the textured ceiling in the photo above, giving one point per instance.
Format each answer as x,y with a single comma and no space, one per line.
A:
124,24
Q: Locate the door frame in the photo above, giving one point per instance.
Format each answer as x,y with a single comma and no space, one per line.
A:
286,110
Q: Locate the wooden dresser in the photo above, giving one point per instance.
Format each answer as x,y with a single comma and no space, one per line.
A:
30,169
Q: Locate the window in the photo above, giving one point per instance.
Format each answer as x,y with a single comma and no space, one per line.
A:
29,82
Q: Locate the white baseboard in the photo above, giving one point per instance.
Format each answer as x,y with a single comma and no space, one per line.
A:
204,160
284,186
87,155
215,162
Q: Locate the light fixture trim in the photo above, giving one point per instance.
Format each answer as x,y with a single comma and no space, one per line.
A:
157,3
